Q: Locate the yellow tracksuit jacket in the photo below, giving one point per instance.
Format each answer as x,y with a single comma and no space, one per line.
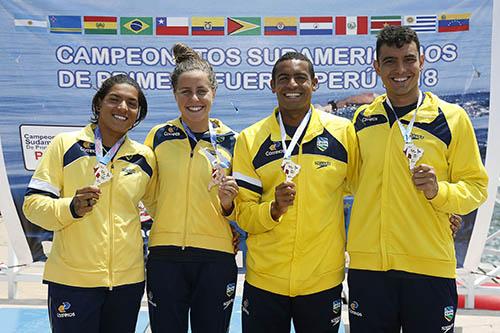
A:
105,247
303,252
188,214
393,225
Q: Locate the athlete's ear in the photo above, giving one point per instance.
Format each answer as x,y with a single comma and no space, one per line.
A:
315,84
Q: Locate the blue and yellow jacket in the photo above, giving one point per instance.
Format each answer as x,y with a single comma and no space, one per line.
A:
393,225
188,214
104,247
303,252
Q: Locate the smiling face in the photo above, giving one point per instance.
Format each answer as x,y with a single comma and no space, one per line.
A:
293,86
194,97
399,69
118,112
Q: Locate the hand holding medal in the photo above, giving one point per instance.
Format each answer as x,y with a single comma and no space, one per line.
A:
84,200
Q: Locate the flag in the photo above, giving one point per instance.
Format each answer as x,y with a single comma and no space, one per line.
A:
316,25
100,25
421,23
65,24
136,25
174,26
279,26
351,25
30,23
244,26
379,22
207,26
453,22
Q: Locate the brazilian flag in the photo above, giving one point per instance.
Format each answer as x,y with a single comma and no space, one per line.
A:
136,25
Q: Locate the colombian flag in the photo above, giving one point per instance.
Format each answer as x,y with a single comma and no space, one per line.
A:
100,25
280,26
453,22
207,26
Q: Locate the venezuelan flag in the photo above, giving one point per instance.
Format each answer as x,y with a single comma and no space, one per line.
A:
453,22
207,26
280,26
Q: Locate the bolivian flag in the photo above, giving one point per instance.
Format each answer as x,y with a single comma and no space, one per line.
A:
279,26
100,25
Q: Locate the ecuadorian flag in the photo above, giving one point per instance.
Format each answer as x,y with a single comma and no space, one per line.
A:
100,25
207,26
280,26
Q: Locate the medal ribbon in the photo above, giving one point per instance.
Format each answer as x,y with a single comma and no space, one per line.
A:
98,148
287,151
213,139
406,132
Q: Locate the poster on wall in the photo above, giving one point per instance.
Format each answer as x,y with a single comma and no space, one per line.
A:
54,57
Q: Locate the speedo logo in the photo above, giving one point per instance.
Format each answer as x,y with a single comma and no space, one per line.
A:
322,164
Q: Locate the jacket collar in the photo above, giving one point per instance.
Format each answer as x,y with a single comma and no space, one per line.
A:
87,134
314,128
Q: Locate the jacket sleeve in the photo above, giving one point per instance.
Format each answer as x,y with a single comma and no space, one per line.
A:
42,203
353,160
150,195
252,215
467,187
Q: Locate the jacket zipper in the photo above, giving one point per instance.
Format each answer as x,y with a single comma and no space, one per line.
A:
111,217
191,154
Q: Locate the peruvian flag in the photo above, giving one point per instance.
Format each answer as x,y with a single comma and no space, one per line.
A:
351,25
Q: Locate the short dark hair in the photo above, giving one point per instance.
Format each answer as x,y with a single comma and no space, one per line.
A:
396,36
291,56
106,87
186,60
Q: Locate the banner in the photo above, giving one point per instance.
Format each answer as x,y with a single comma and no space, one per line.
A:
54,58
